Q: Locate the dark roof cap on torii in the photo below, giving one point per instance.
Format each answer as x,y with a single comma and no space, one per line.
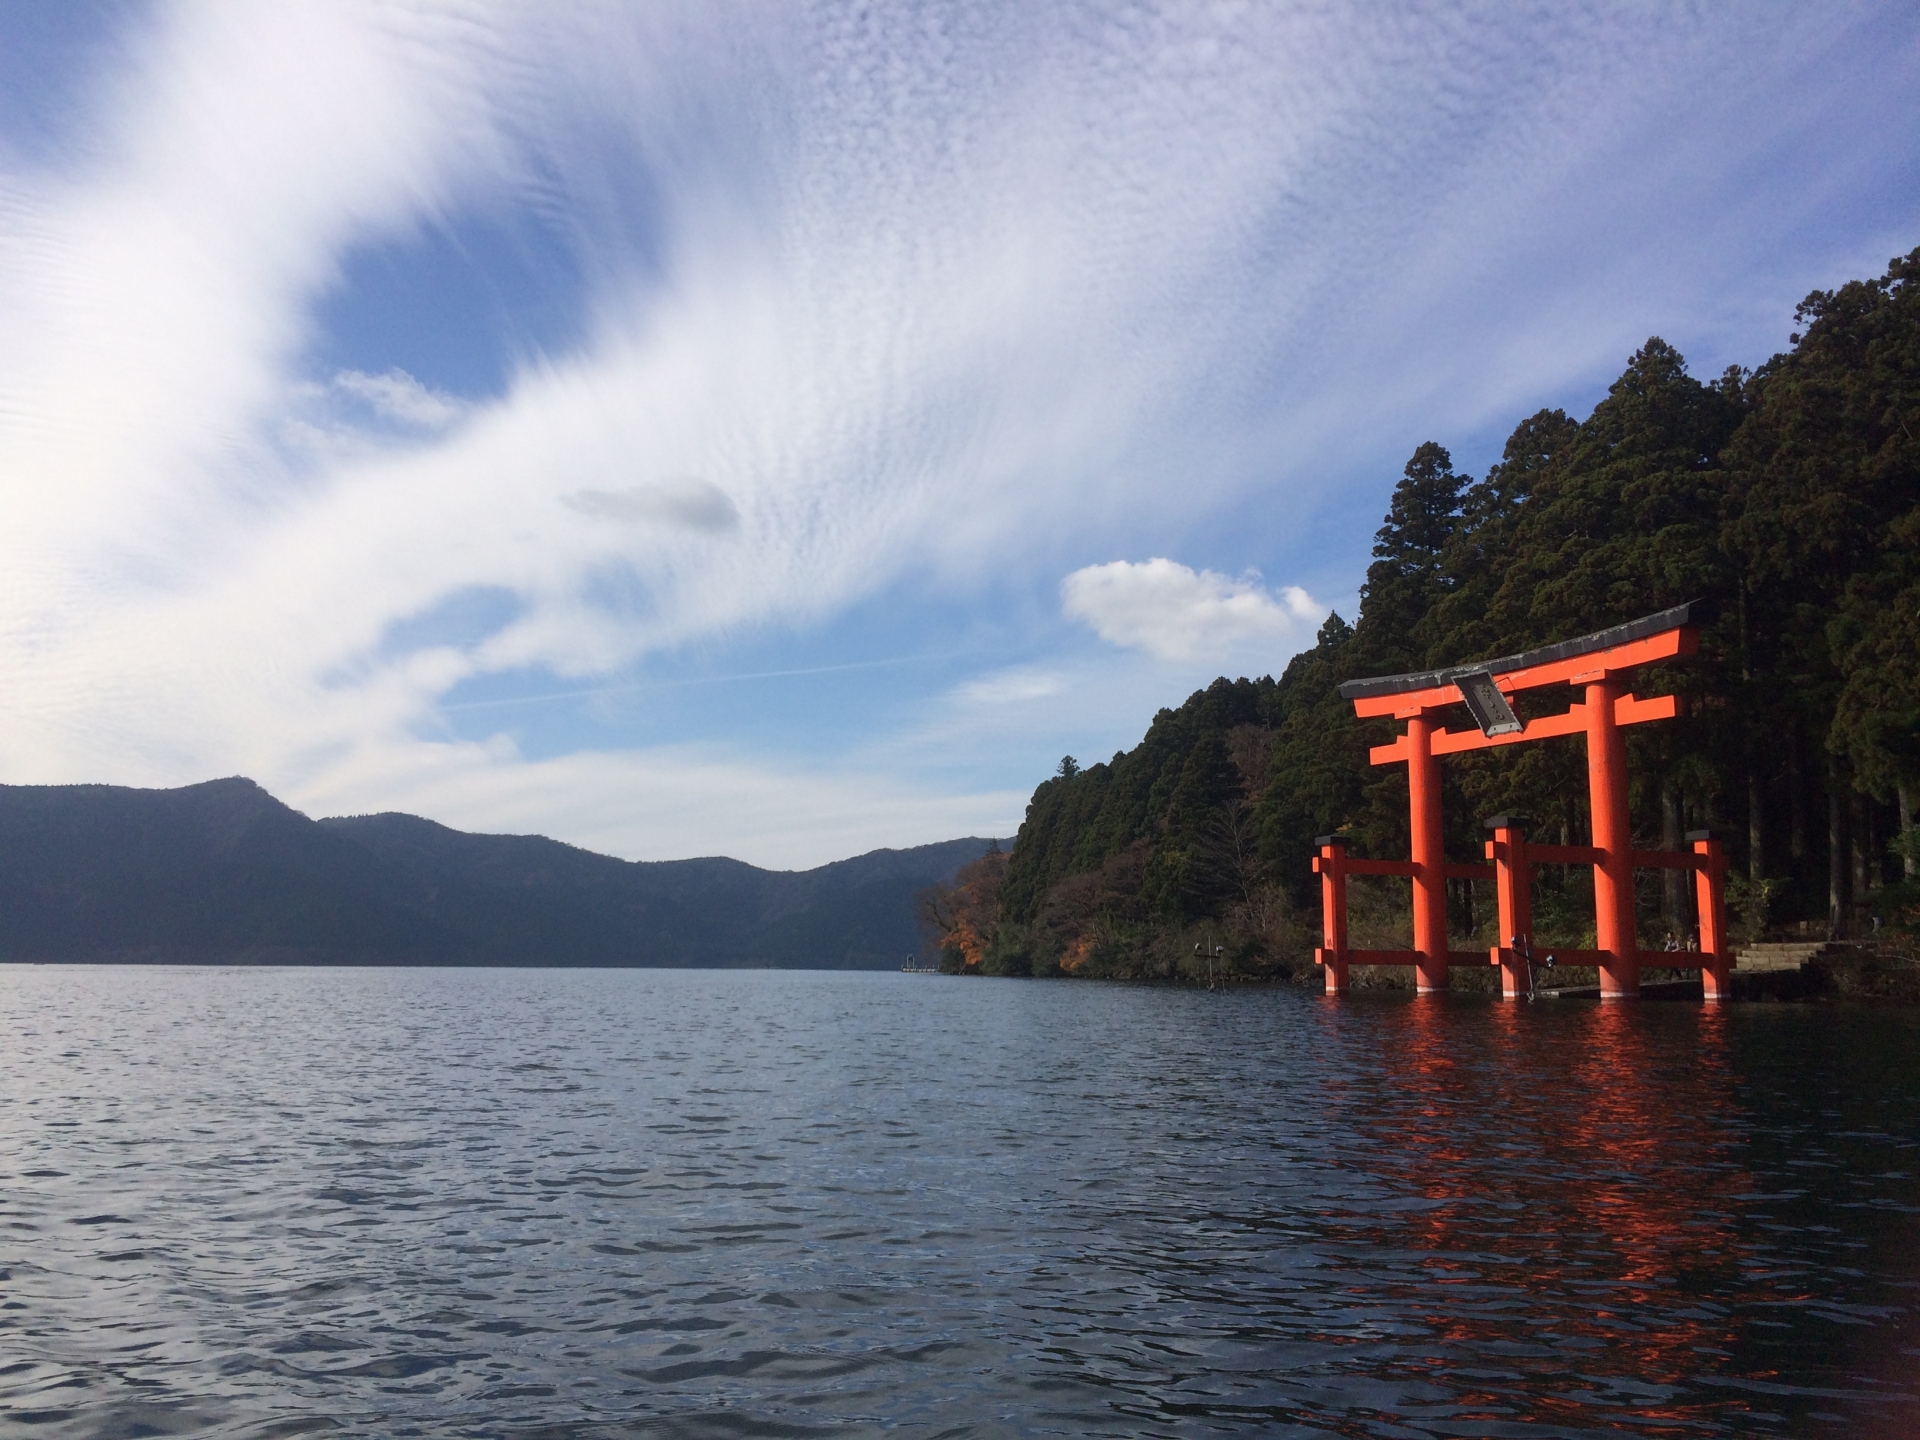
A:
1646,625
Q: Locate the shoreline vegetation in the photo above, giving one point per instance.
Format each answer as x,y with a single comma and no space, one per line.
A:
1786,498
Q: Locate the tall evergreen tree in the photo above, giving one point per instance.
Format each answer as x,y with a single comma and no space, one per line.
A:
1875,640
1627,517
1824,472
1407,578
1476,556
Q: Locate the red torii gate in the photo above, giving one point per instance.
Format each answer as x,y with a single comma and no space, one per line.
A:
1602,663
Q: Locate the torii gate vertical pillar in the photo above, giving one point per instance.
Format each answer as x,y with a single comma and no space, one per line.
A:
1331,865
1711,888
1513,887
1429,856
1616,931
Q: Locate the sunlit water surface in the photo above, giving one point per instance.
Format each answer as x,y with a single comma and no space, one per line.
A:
579,1203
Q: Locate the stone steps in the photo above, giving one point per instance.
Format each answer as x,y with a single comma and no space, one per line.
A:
1779,955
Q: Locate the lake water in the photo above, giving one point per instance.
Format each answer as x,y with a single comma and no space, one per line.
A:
580,1203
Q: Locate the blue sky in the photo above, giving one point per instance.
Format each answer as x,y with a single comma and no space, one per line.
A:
783,431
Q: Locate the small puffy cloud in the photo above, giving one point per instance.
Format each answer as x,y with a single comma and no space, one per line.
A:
397,396
691,502
1176,613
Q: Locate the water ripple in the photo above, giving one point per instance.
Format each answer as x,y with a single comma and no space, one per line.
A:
580,1204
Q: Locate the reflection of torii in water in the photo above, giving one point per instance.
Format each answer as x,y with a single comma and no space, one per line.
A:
1600,662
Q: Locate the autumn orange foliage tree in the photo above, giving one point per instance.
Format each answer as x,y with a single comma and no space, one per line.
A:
962,915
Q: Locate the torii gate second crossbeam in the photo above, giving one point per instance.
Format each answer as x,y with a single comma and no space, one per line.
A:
1601,662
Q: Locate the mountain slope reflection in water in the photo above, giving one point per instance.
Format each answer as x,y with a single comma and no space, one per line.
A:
582,1203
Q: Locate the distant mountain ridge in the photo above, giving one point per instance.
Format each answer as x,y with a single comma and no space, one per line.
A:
223,872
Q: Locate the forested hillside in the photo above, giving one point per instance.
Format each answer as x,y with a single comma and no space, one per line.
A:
1787,498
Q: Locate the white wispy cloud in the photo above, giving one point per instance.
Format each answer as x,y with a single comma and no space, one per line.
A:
396,395
1176,613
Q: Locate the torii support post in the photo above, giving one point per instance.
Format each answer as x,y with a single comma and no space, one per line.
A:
1429,857
1710,893
1513,886
1330,865
1615,931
